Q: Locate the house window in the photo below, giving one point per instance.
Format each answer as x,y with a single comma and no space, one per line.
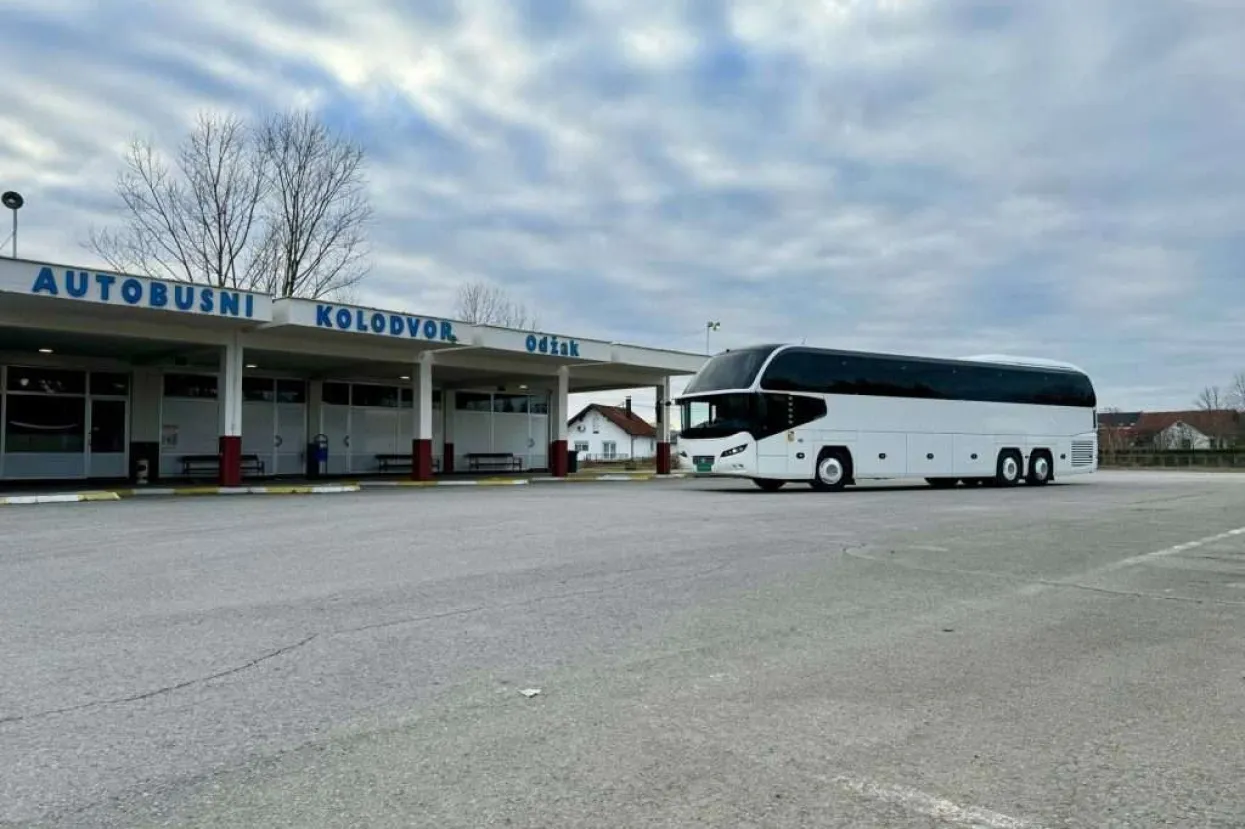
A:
581,447
609,450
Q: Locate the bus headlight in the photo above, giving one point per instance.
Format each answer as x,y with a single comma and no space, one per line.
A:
734,450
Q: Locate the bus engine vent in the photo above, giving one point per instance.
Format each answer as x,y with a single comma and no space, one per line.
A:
1082,453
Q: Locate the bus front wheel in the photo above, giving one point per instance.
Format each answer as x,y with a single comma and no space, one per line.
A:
833,470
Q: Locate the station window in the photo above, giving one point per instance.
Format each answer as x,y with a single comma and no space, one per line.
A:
258,389
291,391
45,423
46,380
336,394
190,385
538,405
470,401
385,397
510,403
110,384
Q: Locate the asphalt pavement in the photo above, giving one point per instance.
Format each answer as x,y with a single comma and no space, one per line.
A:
705,655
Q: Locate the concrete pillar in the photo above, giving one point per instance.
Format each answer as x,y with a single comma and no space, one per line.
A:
421,446
230,408
663,426
449,405
315,426
559,406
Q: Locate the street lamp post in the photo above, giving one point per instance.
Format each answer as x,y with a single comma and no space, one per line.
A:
710,326
13,201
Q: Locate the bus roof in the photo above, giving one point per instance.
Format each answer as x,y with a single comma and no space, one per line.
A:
1033,362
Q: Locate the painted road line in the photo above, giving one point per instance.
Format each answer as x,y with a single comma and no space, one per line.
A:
58,498
931,806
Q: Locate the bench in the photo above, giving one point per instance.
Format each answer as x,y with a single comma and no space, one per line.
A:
211,463
493,460
401,461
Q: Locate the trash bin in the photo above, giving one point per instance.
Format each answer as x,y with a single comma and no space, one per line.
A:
572,461
318,456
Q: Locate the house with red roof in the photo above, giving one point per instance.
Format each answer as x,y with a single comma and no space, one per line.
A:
1195,429
605,433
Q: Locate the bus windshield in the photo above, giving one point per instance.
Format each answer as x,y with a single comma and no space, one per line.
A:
719,416
730,370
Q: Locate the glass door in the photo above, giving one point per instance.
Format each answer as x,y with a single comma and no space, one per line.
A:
107,447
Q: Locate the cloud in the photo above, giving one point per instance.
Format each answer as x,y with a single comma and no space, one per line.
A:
1056,178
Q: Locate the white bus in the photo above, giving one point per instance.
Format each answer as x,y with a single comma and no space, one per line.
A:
788,413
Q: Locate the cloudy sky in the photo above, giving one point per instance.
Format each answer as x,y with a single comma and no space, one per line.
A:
1060,178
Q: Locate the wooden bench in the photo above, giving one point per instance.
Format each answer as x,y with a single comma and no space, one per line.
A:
493,460
211,463
403,461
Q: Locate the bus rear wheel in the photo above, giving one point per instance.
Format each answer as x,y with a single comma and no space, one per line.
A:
1008,471
1039,468
833,470
768,485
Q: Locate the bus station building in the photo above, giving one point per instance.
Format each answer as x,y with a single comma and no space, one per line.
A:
107,376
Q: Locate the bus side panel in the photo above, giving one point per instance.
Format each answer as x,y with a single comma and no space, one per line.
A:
881,455
772,455
974,456
930,455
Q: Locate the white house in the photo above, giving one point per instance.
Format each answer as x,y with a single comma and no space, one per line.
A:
606,433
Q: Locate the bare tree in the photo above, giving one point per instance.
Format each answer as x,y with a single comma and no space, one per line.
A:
485,304
281,208
1210,399
194,219
1236,392
318,210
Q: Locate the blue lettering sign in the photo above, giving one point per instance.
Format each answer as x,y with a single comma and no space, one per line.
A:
552,346
134,291
77,284
131,291
378,322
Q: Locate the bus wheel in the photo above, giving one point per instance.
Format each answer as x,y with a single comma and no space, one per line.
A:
767,485
833,470
1039,468
942,483
1008,469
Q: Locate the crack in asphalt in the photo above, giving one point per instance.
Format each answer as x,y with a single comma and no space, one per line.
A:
168,689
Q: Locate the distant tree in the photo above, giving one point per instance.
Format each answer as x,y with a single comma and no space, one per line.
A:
1236,392
317,207
280,208
484,304
1210,399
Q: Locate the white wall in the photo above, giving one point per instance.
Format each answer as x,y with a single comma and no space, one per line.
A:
598,430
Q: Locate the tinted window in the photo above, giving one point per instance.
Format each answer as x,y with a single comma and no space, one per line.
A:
385,397
46,380
729,370
336,394
190,385
886,376
107,383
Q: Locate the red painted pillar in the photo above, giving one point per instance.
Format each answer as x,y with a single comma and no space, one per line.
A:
663,459
557,459
421,459
231,460
447,458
